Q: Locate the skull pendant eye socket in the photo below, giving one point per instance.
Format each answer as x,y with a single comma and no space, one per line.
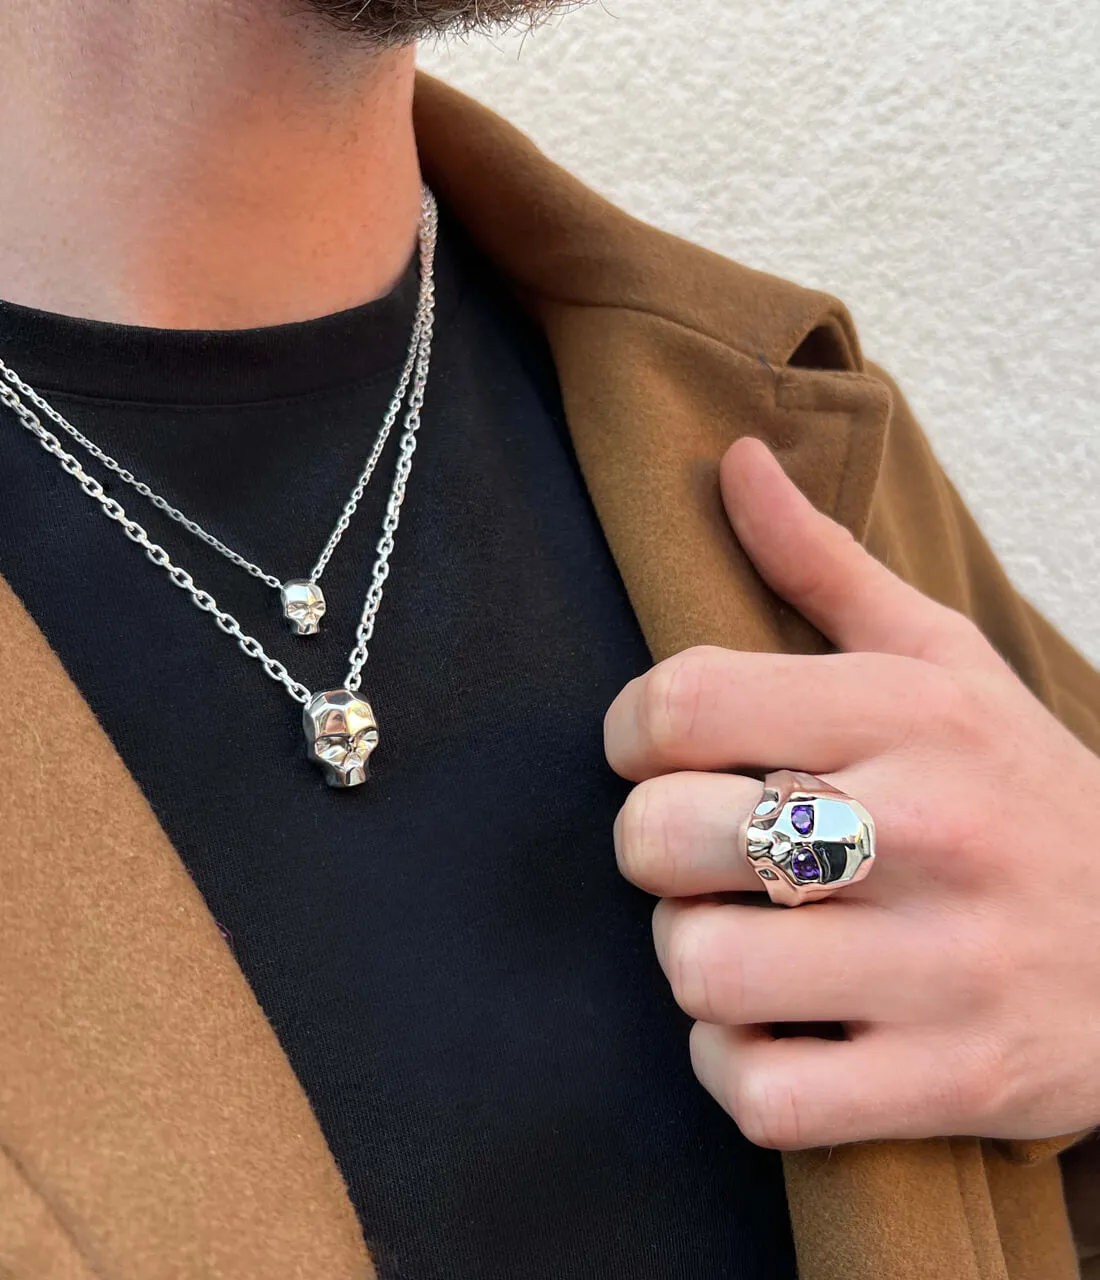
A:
303,606
341,733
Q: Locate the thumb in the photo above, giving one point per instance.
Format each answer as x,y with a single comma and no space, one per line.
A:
818,566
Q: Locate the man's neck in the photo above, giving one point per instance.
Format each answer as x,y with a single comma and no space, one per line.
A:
199,163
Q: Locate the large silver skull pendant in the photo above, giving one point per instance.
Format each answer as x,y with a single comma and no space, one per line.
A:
341,732
806,839
303,606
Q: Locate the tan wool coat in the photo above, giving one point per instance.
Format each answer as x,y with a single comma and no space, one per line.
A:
150,1126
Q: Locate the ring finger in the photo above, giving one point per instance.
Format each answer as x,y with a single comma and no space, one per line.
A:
679,836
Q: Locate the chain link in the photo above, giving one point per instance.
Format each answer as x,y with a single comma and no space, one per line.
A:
407,447
427,238
153,551
415,371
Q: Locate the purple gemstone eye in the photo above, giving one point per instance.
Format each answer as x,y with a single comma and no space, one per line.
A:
802,819
805,866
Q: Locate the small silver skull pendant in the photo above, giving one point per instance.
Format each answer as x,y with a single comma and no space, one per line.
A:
303,606
341,732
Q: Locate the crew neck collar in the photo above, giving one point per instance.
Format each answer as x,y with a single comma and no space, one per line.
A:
94,359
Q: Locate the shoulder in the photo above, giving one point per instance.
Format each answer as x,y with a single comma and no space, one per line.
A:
562,244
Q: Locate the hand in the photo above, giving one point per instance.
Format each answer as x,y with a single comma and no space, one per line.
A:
966,967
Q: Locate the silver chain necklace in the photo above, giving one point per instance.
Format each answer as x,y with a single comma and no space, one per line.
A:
303,602
340,727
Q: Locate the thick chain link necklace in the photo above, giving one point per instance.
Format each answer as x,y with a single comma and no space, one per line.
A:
303,602
340,727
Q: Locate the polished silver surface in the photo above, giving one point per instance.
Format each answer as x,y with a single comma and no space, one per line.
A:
303,606
180,577
361,738
425,304
341,732
406,448
805,839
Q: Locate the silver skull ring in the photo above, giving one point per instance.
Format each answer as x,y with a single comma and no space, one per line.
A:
805,839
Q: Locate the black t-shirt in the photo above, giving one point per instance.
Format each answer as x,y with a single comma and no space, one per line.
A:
459,976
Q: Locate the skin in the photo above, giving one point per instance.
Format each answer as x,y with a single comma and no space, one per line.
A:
211,163
966,967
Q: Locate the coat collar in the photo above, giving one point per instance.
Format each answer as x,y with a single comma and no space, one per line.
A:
666,353
148,1115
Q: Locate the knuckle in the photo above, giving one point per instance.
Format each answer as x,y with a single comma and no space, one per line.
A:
821,579
839,545
842,543
958,626
953,640
713,1063
958,638
769,1112
689,965
672,700
643,847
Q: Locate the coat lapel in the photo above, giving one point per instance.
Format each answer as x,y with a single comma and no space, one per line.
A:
149,1122
665,354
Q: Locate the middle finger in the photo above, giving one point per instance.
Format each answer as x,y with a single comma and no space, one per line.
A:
679,835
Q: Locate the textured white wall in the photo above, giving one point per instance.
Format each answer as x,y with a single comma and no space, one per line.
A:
935,163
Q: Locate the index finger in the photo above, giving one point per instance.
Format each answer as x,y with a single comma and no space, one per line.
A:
711,708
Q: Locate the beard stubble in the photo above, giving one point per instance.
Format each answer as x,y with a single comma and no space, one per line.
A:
400,22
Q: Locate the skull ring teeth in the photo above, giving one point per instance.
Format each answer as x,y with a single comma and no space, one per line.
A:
805,839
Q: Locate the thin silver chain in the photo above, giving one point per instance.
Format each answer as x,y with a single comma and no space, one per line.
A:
427,237
113,510
406,448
